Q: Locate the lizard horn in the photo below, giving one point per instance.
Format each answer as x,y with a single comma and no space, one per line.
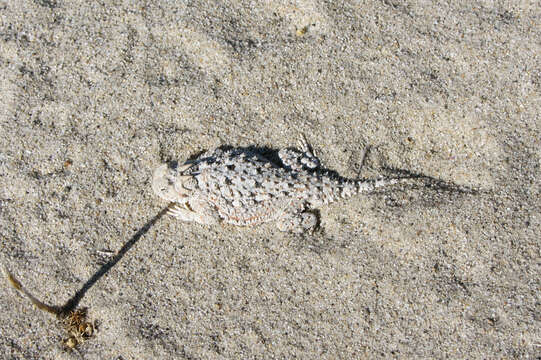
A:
185,167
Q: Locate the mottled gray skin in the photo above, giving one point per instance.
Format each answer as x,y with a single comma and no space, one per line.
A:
241,187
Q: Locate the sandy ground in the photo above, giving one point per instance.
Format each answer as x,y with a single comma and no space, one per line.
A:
95,96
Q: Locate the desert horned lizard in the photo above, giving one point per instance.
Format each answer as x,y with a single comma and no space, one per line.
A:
241,187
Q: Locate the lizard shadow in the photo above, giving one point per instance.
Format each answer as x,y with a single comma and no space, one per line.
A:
270,154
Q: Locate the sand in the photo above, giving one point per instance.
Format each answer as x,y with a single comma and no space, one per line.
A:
95,95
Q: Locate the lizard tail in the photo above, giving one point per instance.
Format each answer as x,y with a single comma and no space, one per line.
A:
353,187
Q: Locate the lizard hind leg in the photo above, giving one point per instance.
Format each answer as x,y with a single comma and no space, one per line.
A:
305,159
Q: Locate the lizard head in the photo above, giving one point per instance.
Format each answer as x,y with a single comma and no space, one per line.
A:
169,183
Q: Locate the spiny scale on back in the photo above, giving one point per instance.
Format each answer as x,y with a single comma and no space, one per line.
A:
241,187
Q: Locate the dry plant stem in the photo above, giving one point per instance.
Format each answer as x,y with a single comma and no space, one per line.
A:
55,310
74,321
